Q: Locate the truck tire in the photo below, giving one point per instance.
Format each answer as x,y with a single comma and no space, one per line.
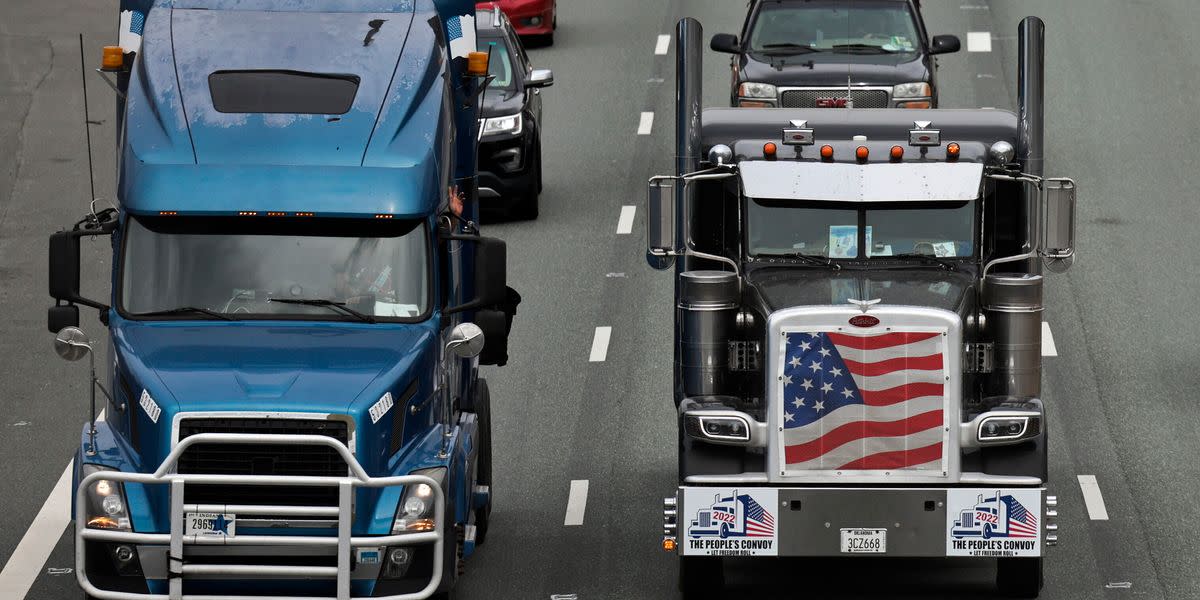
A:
451,551
701,577
1019,577
483,471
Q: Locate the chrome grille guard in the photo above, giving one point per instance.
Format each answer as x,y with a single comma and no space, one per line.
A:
344,542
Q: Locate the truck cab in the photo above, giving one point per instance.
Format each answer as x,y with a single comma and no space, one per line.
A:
834,54
300,304
858,327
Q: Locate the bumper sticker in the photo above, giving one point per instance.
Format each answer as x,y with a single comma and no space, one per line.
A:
729,522
993,522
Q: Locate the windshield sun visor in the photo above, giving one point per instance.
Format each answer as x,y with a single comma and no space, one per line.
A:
910,182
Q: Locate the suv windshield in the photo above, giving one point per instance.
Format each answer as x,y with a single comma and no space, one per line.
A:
500,66
222,267
884,27
843,230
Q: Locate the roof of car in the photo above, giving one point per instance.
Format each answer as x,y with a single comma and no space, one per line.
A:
488,16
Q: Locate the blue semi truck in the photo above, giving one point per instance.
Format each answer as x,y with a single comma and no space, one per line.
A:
300,303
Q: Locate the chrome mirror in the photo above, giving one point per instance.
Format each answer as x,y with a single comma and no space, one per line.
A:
72,343
539,78
1058,233
466,341
660,220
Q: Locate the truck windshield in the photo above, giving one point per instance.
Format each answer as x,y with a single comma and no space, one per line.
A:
880,27
854,230
275,268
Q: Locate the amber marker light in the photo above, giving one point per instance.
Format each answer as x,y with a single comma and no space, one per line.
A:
897,153
669,544
113,59
769,149
953,150
862,153
167,213
383,216
827,152
477,64
247,213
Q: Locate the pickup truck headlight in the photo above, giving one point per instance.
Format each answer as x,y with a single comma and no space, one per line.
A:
917,89
510,124
416,509
106,507
764,91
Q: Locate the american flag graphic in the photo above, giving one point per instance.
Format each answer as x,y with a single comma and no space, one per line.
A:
863,402
454,28
1021,522
759,522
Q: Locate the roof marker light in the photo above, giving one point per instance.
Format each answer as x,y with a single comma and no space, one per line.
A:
862,153
304,214
113,59
167,213
769,149
276,214
827,152
952,151
247,213
477,64
383,216
897,153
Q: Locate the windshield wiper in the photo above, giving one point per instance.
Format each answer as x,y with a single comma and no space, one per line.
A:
339,306
787,48
866,48
811,259
184,310
928,259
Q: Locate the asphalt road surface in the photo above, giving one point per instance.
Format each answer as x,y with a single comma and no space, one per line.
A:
584,432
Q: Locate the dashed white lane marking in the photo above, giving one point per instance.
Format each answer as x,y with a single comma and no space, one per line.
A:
1092,498
1048,347
646,123
664,42
26,561
600,344
625,221
39,541
576,502
979,41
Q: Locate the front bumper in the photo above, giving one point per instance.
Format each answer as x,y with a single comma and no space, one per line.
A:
536,18
915,522
179,556
507,167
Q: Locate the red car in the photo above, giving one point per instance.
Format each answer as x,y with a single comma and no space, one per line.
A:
529,17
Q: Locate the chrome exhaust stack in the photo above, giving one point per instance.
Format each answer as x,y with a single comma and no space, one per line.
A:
689,69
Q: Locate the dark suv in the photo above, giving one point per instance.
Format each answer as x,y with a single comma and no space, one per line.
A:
834,54
510,140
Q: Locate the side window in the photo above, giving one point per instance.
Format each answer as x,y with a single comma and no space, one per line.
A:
523,64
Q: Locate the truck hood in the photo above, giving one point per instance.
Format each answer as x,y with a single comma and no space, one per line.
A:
832,69
287,367
779,288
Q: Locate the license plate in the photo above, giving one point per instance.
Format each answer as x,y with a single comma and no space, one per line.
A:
209,524
864,541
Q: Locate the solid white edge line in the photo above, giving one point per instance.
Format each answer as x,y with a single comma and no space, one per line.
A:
600,344
1092,498
576,502
979,41
646,123
1048,347
664,43
625,221
26,562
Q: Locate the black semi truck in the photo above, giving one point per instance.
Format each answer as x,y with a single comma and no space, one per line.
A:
858,329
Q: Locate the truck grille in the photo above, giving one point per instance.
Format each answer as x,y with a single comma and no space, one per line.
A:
865,402
811,97
263,459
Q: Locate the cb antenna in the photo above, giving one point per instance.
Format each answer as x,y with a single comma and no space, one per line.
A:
87,127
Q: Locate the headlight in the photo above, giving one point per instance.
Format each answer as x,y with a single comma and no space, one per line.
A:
918,89
494,125
718,427
105,502
757,90
416,509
